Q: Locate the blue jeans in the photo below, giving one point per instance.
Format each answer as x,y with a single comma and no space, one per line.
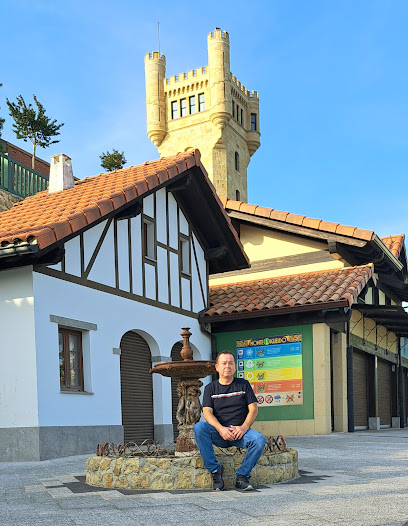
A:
206,436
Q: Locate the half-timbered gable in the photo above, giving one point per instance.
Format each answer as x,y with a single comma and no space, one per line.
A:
154,258
100,279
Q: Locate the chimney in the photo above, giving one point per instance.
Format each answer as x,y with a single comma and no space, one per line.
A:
61,175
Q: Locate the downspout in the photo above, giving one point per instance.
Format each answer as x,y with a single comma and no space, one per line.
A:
400,392
350,384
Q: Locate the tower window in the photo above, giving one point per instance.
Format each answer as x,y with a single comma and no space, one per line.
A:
174,109
237,161
237,195
254,126
233,109
242,116
192,105
201,102
183,107
237,113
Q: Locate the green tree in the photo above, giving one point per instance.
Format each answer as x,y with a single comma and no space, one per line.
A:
112,161
1,120
32,124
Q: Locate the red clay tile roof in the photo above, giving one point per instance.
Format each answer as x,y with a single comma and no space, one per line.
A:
46,218
286,217
316,288
394,243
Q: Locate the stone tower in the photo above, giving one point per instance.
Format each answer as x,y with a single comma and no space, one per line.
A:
209,109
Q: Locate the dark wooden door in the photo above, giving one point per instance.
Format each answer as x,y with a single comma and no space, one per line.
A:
136,389
360,389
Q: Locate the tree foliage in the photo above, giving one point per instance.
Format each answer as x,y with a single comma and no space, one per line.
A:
112,161
33,124
1,120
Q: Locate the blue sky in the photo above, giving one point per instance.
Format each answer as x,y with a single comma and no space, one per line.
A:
332,78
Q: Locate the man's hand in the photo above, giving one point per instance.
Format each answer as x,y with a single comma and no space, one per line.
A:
226,433
238,431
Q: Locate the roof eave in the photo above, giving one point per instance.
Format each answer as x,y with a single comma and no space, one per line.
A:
277,311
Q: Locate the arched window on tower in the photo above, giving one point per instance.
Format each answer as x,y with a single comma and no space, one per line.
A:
237,161
237,195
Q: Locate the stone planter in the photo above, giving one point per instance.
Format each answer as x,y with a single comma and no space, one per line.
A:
169,473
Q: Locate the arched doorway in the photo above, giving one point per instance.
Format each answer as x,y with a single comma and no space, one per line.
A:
175,357
136,388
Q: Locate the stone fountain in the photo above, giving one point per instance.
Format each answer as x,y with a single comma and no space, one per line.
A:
189,371
129,466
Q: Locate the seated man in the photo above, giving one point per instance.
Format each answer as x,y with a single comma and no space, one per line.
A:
229,408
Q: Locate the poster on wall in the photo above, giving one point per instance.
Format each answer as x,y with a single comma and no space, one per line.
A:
273,367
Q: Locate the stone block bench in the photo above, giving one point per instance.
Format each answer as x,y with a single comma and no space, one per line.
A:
171,472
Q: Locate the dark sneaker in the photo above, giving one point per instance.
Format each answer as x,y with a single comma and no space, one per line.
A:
218,483
242,482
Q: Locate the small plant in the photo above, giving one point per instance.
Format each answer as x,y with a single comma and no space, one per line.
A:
112,161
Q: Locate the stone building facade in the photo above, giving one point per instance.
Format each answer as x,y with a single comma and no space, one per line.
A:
207,108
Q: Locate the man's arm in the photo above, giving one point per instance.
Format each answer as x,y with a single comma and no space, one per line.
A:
239,431
225,432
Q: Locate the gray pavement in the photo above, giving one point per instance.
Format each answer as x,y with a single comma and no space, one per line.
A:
348,479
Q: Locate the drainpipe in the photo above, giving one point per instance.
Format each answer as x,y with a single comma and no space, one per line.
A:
350,385
400,392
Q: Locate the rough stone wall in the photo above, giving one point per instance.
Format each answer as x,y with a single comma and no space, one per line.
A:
7,200
185,472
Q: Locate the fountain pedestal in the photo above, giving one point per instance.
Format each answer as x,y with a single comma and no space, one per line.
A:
189,407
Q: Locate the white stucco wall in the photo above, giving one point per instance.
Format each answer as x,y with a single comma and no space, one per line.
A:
18,382
114,316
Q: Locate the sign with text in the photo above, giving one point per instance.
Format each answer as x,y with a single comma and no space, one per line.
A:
273,367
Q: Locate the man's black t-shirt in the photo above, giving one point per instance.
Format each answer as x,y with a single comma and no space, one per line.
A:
229,402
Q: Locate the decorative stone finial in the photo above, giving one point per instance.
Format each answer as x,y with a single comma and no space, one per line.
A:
186,351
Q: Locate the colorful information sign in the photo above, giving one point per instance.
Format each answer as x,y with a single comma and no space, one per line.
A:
273,367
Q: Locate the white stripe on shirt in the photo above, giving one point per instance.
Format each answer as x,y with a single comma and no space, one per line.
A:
237,393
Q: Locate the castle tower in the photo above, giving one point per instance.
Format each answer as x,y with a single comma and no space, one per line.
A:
208,109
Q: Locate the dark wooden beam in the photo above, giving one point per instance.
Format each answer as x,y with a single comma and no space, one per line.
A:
294,229
132,211
338,248
216,253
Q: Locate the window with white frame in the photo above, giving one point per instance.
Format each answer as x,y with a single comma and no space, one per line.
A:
183,107
70,360
184,254
174,109
192,102
201,102
149,239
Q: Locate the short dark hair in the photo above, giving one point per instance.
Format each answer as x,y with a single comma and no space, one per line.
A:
225,352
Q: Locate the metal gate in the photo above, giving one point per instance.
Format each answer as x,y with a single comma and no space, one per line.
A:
175,357
136,388
384,392
360,389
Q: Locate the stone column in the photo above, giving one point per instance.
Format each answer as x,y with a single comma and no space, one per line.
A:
321,378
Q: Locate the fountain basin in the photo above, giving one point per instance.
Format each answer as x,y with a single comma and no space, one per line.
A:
185,369
171,472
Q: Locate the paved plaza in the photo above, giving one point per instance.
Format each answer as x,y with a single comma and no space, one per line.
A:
350,479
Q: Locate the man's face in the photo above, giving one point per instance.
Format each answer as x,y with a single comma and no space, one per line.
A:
225,366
